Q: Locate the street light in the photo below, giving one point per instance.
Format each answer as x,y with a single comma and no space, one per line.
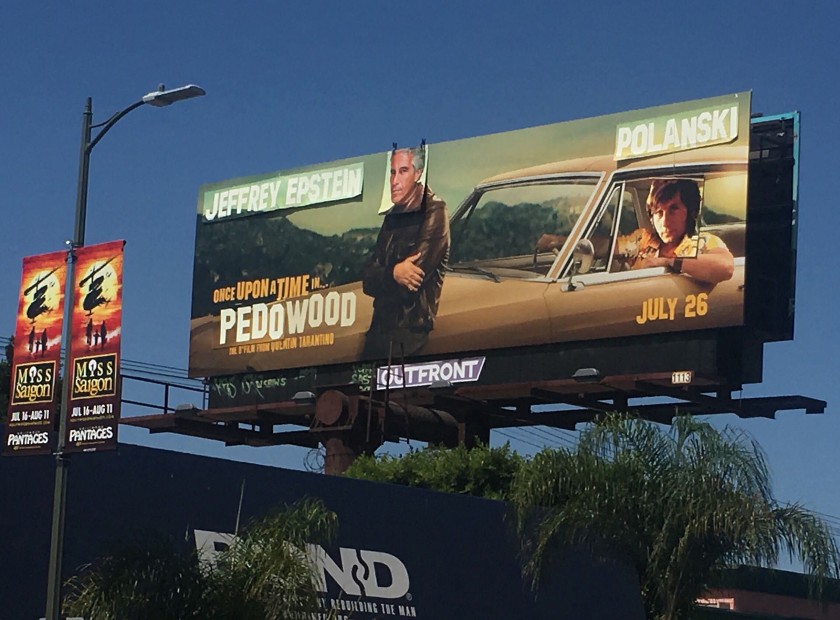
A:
159,98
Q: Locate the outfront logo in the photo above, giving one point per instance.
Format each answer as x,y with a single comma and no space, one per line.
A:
359,572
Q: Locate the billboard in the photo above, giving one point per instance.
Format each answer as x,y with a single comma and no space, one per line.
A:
33,404
617,226
96,320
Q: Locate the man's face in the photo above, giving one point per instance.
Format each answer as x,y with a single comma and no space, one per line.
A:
404,177
669,219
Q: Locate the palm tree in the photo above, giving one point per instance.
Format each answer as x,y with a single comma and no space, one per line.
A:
155,578
680,504
265,574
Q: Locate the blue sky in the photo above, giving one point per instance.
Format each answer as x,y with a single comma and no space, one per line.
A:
290,84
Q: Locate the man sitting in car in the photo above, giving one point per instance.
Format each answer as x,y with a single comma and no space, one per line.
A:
674,208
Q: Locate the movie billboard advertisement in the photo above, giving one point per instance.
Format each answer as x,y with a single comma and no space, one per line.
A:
33,401
622,225
96,326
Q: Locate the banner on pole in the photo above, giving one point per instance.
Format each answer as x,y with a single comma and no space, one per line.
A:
96,326
33,402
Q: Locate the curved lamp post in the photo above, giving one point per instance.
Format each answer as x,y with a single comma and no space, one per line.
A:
159,98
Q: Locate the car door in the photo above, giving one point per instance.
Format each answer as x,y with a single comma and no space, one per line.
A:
505,238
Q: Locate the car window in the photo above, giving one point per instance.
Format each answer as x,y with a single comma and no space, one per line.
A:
622,225
723,196
722,212
616,220
625,246
634,226
601,234
519,226
628,220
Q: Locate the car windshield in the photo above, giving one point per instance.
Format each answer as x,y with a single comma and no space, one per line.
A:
517,229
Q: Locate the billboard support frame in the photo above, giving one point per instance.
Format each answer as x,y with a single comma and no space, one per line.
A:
409,415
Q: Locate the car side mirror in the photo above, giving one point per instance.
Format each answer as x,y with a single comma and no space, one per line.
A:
582,259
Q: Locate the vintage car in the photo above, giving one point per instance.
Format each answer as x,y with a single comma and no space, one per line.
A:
539,255
573,281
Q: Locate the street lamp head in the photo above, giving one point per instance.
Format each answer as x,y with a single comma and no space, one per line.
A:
162,97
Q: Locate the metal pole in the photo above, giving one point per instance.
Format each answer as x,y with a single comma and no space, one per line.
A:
54,580
158,98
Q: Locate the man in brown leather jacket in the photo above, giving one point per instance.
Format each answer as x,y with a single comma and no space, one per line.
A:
404,274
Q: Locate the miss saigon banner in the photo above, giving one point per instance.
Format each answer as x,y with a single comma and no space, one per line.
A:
96,326
33,403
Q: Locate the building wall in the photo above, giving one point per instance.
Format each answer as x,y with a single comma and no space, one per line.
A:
459,552
778,605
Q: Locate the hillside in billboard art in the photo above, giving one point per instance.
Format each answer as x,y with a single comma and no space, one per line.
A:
622,225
